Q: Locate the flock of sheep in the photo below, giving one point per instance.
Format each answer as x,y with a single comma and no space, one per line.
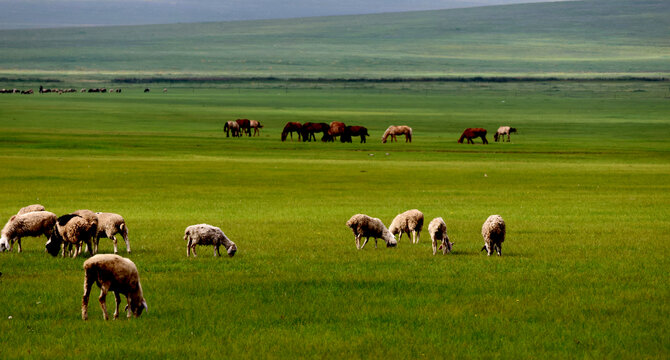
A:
68,233
411,221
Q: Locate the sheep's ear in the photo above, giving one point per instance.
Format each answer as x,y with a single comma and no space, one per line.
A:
146,307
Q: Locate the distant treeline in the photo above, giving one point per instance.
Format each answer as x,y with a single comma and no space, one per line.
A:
495,79
33,80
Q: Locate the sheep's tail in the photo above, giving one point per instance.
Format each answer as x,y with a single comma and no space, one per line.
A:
186,234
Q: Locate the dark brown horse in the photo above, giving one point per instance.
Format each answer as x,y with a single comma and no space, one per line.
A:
245,126
350,131
309,129
290,127
471,133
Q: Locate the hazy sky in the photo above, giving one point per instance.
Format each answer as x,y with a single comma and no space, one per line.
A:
16,14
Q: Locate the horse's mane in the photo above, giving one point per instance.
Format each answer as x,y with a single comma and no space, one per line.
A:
386,133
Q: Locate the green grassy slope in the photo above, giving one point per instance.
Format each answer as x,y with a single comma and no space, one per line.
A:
592,37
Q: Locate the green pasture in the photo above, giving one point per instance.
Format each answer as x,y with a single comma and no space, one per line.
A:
584,188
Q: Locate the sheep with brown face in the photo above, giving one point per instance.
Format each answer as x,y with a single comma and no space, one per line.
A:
113,273
365,226
409,221
493,232
34,223
438,233
70,231
203,234
110,224
31,208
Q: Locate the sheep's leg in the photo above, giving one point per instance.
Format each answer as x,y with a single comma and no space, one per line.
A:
375,243
116,249
216,251
365,242
124,233
18,242
103,300
418,236
193,249
188,248
358,241
88,284
499,248
117,298
434,246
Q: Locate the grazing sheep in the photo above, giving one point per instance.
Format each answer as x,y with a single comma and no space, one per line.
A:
203,234
31,208
110,224
409,221
92,220
70,230
365,226
117,274
34,223
493,232
438,233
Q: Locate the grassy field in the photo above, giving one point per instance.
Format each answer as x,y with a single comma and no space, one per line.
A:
596,37
584,188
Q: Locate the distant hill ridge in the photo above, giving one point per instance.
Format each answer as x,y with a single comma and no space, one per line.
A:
581,38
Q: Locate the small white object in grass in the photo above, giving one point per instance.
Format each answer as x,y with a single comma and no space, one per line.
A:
486,175
10,317
387,154
371,154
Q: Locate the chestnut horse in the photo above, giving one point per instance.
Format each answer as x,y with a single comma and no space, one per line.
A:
471,133
245,126
502,131
309,128
290,127
256,125
350,131
397,130
336,129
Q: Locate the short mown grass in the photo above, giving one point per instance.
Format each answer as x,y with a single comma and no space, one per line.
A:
584,188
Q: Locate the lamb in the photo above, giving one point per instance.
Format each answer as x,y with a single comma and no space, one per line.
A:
438,233
409,221
110,224
493,232
203,234
70,230
365,226
34,223
117,274
31,208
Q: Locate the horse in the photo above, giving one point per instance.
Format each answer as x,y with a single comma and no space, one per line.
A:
397,130
309,128
256,126
232,126
471,133
245,126
350,131
290,127
502,131
337,128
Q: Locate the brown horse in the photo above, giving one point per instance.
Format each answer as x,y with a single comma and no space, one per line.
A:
471,133
337,128
502,131
290,127
232,127
397,130
256,125
350,131
309,128
245,126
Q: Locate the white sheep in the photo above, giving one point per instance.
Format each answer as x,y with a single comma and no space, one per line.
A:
113,273
365,226
409,221
110,224
438,233
70,230
203,234
92,228
34,223
31,208
493,232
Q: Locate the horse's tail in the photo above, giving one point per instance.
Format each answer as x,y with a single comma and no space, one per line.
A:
409,135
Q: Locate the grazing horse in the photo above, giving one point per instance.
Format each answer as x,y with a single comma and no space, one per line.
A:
245,126
471,133
397,130
350,131
337,128
290,127
310,128
502,131
256,126
232,126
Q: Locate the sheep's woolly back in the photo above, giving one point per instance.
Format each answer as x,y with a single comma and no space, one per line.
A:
493,229
31,208
410,220
204,234
109,223
365,226
34,223
437,229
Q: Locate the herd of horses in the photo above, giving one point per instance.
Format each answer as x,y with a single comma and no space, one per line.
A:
338,129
